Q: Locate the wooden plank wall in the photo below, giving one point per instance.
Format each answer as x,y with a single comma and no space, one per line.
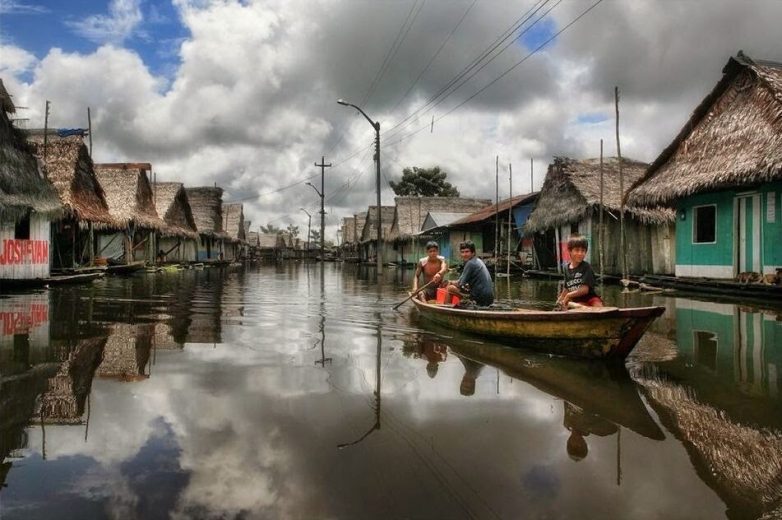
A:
25,259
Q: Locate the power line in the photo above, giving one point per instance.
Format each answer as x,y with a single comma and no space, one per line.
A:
505,73
391,54
476,61
434,56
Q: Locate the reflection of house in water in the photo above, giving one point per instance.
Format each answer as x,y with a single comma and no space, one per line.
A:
206,308
127,352
733,344
24,332
741,463
163,338
26,363
63,401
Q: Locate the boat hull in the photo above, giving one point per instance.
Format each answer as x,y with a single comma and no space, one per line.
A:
606,332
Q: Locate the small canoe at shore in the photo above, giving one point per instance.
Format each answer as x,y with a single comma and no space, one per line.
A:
591,332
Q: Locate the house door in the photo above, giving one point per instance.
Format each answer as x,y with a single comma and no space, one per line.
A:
748,234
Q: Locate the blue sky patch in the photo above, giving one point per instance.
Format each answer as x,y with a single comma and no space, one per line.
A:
539,33
591,118
39,25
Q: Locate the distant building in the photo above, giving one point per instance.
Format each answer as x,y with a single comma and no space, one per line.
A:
131,205
179,239
206,204
233,225
368,245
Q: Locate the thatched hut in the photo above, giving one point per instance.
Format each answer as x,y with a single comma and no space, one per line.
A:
132,206
233,225
69,168
569,203
253,243
723,174
179,239
368,246
483,227
409,216
352,228
206,203
270,246
28,202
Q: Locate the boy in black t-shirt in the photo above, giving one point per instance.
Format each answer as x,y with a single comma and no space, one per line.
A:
579,277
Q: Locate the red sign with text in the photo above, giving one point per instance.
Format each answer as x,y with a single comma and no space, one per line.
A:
22,252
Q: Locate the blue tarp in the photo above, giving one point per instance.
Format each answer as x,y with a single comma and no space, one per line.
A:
65,132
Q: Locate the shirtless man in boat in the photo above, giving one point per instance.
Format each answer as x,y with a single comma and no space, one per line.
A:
433,267
579,277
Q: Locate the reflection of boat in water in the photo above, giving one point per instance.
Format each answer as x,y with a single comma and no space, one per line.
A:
589,332
596,388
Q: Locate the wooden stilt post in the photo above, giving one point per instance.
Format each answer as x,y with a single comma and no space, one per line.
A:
621,190
601,228
510,214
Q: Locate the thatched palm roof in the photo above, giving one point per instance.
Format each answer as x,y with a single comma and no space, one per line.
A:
270,241
733,138
23,186
129,194
361,220
348,230
233,221
69,168
490,211
410,212
206,203
571,192
369,232
173,207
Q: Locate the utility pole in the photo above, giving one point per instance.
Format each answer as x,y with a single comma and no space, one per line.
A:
322,194
379,215
45,130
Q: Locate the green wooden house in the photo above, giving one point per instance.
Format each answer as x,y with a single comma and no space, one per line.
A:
723,174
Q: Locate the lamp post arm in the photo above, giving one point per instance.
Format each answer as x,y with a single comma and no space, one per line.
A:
374,125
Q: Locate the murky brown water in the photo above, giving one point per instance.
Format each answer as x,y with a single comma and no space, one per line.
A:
291,392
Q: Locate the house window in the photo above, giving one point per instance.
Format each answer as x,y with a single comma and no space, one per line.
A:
22,228
704,225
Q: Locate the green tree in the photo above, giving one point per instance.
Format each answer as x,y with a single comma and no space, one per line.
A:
293,230
424,182
271,228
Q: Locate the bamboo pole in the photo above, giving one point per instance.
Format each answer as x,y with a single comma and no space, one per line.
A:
496,217
601,227
621,190
510,214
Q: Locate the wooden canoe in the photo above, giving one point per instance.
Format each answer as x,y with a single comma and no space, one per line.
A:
596,332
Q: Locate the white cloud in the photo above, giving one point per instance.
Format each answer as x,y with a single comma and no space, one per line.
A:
123,18
13,7
251,104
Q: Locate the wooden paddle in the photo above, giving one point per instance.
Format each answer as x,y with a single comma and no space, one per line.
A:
412,295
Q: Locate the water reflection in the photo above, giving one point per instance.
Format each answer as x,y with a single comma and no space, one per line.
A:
111,406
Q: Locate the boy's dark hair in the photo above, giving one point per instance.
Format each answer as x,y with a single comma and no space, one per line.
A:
577,241
432,244
467,244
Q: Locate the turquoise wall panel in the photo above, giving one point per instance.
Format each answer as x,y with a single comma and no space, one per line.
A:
718,253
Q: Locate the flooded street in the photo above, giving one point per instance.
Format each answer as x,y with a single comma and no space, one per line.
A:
296,391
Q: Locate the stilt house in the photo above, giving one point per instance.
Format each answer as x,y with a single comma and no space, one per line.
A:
130,200
233,225
28,202
206,203
179,239
723,175
569,203
409,216
69,168
368,241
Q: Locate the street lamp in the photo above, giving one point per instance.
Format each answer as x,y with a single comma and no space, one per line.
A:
322,215
309,221
376,126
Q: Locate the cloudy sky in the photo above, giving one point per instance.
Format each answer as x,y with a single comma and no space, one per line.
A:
243,93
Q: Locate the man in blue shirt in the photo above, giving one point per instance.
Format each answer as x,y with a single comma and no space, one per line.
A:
475,279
